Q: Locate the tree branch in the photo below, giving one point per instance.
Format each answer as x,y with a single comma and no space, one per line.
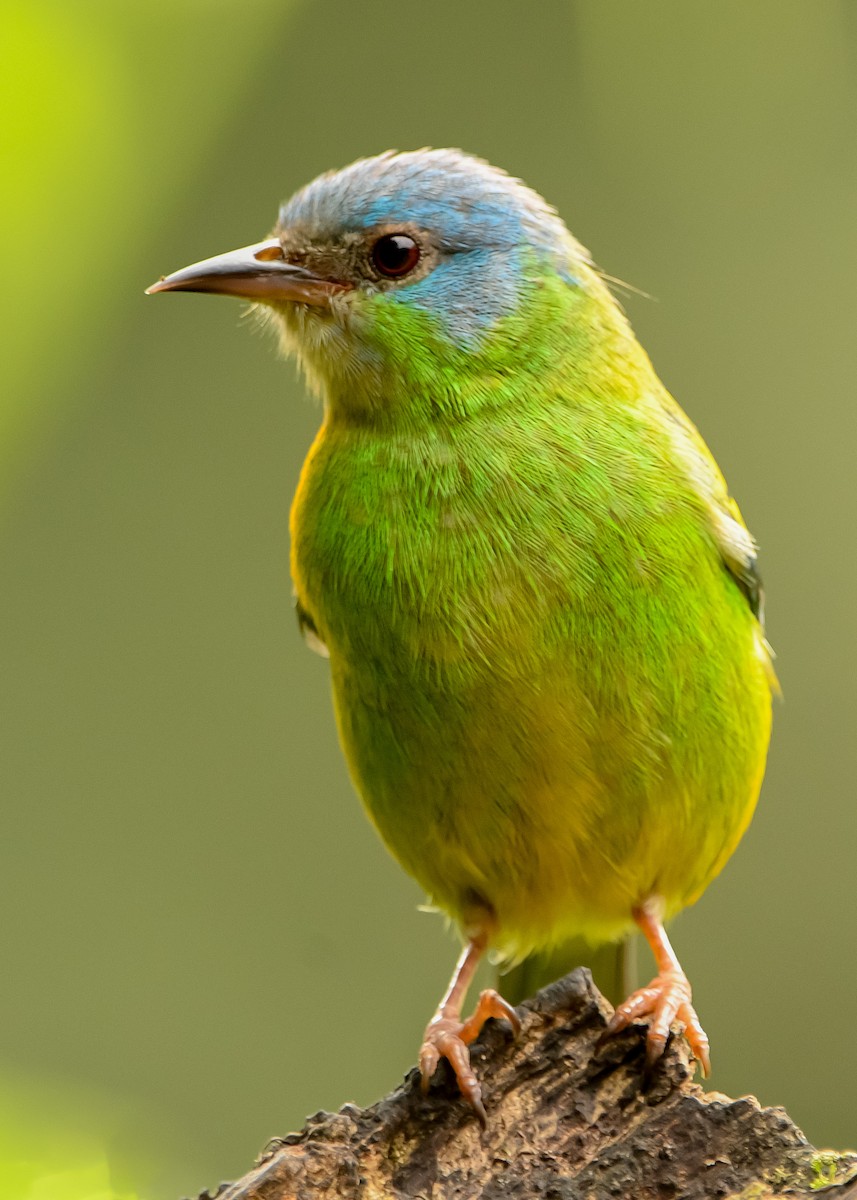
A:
567,1119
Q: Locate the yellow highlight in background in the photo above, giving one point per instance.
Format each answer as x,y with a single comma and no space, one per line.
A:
46,1150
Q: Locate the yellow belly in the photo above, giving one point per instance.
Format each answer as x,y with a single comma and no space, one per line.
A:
532,810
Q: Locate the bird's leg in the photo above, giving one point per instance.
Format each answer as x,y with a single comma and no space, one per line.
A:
666,999
447,1036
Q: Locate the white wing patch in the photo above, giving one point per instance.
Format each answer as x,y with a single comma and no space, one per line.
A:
310,633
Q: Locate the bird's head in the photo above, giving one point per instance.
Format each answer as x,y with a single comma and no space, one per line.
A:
404,269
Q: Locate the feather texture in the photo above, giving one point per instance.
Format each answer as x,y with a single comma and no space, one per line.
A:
554,700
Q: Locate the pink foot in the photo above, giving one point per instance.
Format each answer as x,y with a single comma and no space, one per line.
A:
667,999
448,1037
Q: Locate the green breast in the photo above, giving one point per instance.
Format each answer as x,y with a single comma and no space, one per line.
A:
543,673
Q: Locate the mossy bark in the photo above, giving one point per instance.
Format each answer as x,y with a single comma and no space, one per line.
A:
567,1119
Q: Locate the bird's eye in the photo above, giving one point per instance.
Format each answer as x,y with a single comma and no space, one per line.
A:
395,254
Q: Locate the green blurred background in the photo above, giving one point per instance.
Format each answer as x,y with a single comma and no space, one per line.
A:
202,940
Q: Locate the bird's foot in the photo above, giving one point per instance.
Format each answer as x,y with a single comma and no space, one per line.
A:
448,1037
667,999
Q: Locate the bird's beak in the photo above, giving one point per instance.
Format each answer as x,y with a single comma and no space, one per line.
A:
259,272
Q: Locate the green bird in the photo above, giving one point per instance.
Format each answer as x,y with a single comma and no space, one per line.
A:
540,603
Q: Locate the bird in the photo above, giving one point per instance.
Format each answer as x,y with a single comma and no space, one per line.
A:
540,603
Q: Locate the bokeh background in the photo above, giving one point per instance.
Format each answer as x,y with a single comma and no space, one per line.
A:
202,940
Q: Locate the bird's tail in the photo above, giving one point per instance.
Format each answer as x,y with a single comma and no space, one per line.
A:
613,968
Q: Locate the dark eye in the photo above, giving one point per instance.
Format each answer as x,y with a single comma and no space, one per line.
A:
395,254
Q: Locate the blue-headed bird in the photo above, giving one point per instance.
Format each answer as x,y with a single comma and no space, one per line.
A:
540,603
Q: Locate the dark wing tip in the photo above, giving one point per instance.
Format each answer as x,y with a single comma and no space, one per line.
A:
309,631
750,582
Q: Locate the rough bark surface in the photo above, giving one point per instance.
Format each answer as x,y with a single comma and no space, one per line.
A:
567,1120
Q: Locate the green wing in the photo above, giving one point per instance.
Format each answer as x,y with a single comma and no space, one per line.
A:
734,540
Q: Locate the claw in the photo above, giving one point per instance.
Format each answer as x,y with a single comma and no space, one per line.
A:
429,1058
449,1038
489,1004
667,1001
